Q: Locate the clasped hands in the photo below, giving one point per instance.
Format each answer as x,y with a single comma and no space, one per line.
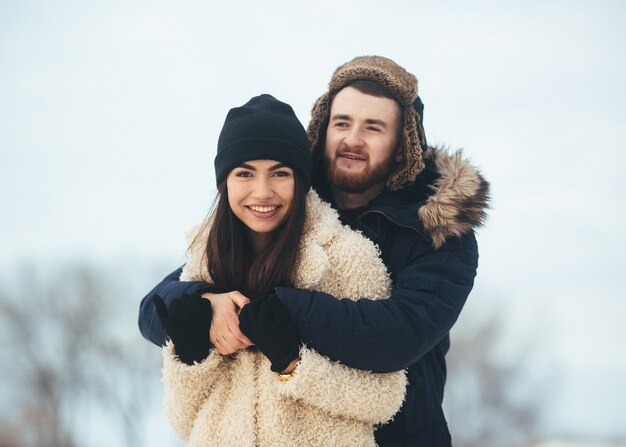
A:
233,323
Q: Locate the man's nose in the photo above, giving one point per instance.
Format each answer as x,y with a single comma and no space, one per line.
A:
354,138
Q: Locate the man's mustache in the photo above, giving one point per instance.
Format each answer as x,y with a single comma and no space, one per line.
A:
359,152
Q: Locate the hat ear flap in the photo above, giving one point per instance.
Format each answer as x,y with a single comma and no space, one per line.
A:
319,114
413,161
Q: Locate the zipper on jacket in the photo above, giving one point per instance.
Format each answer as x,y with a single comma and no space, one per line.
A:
394,221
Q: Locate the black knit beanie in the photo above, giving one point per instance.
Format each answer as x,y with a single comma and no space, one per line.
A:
264,128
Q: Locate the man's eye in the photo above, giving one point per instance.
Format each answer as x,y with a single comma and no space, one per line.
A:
282,174
243,174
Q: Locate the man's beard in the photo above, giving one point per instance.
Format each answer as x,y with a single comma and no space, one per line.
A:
357,182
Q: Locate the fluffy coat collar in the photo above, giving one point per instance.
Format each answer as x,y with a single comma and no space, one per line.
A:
325,403
322,228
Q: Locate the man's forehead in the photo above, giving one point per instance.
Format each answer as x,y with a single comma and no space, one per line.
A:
351,103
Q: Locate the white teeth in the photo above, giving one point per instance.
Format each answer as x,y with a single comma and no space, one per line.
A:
263,209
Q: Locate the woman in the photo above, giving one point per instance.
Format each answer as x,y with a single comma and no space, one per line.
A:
267,231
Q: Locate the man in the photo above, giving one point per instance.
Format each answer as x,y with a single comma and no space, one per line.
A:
419,205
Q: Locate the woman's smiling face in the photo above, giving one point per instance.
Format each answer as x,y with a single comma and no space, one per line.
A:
261,194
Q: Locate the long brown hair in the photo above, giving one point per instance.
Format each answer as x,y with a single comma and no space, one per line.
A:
232,263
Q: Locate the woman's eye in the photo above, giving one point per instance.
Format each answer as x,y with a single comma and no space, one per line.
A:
374,129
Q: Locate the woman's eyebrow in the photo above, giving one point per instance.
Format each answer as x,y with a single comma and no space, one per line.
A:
247,166
271,168
277,166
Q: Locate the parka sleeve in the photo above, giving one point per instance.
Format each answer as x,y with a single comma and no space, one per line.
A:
346,392
187,387
390,335
170,288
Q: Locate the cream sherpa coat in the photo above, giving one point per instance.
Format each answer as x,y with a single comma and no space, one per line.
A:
239,401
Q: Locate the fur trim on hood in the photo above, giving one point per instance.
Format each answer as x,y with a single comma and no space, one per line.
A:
460,197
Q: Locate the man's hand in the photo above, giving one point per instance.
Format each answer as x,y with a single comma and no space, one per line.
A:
186,322
224,333
268,323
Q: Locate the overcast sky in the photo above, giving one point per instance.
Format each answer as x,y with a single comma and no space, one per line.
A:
110,113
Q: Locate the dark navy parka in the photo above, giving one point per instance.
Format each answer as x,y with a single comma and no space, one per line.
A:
410,330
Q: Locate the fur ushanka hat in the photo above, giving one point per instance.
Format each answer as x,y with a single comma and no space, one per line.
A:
403,87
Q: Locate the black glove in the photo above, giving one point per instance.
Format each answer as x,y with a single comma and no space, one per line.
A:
187,323
267,323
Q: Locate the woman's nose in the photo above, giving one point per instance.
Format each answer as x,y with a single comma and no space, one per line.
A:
263,188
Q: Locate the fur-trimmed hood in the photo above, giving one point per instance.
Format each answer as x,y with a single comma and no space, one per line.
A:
459,197
449,198
454,193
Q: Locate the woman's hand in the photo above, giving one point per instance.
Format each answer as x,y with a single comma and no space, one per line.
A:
224,333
